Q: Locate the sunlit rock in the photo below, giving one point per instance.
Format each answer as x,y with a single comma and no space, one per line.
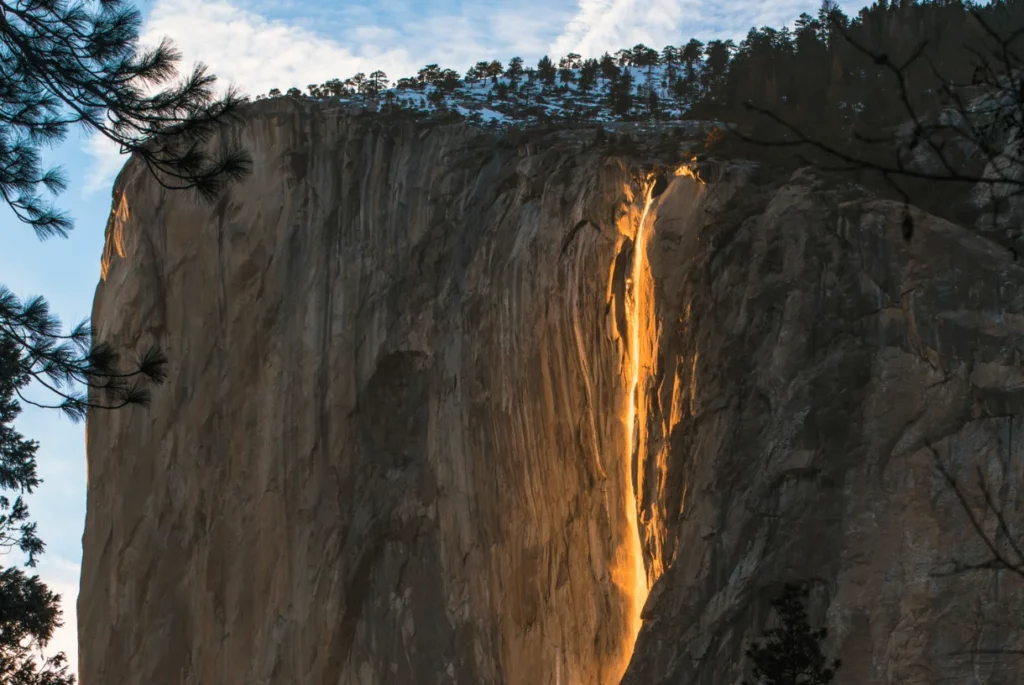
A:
454,407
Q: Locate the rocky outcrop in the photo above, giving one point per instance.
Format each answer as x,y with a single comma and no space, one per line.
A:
817,370
400,441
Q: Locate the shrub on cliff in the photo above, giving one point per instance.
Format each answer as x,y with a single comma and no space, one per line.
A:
790,653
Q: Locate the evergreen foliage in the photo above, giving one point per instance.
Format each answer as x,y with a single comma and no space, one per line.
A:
67,63
29,611
820,74
546,70
790,653
81,375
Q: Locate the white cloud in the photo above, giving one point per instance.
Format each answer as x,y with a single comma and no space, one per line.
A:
107,162
258,54
608,25
601,25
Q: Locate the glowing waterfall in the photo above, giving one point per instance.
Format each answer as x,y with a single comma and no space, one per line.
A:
630,574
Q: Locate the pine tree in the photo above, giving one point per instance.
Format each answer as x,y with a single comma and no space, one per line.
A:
790,653
515,67
334,87
546,70
494,69
378,82
620,95
476,72
448,80
29,611
643,56
609,67
428,74
716,69
78,371
588,75
653,103
68,63
690,56
357,82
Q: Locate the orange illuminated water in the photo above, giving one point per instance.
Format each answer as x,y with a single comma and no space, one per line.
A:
630,572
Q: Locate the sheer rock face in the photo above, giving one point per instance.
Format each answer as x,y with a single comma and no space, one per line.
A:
394,400
392,446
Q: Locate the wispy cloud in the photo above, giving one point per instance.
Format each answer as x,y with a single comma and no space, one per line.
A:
107,161
600,25
607,25
257,53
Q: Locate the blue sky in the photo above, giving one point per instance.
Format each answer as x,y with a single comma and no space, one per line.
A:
259,44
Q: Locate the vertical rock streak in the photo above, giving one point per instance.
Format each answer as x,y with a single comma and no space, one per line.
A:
114,245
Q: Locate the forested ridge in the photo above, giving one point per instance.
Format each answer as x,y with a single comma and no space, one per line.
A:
815,73
871,85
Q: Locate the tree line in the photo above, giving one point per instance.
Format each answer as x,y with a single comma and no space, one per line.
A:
818,73
690,70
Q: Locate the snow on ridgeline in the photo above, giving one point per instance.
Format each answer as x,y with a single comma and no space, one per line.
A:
623,92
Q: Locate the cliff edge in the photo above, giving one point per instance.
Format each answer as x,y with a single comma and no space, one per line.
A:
449,407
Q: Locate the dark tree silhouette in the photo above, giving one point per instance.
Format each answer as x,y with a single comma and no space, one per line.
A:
378,82
609,67
588,75
476,72
670,55
80,373
546,70
790,653
620,94
29,611
515,68
925,97
428,74
67,63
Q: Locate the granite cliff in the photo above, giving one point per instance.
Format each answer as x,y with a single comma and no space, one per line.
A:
448,406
